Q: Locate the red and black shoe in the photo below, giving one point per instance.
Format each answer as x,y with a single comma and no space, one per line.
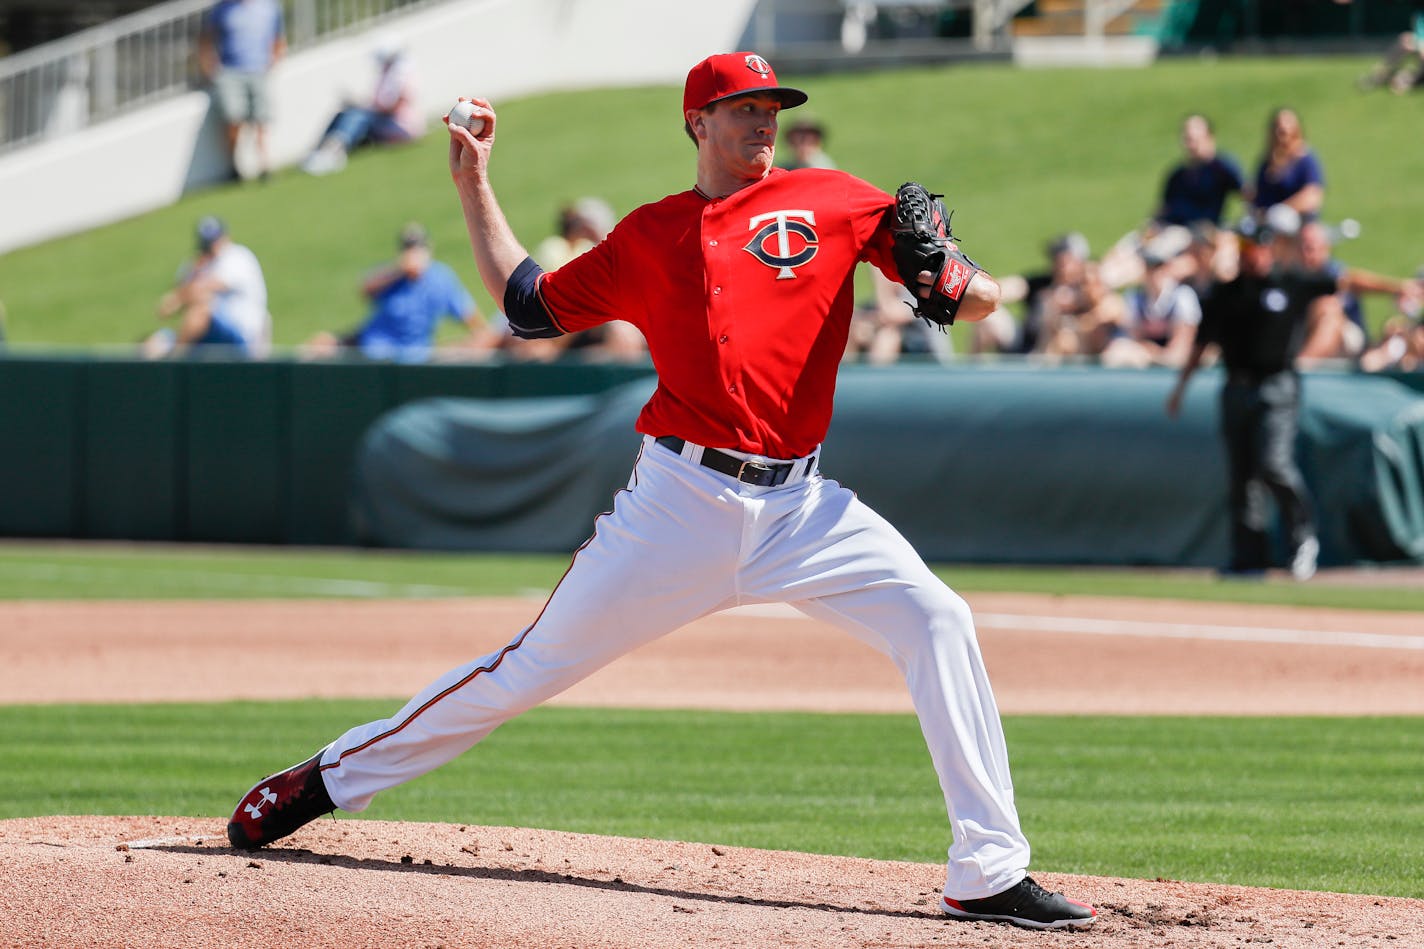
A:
1025,904
279,804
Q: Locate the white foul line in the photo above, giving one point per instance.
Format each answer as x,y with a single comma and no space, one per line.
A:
1239,634
1147,629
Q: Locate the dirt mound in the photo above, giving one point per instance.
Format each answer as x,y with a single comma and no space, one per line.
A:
174,882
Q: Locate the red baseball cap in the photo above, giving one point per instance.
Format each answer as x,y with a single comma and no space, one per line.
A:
734,74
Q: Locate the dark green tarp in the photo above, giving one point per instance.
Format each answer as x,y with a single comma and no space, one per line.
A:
989,464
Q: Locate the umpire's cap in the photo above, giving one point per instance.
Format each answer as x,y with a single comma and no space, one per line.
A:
734,74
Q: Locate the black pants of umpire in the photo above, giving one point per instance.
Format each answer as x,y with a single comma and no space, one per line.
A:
1260,417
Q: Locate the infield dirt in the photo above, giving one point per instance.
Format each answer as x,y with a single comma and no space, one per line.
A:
172,881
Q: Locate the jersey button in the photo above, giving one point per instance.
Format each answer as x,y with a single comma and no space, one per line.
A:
732,388
716,290
721,339
711,243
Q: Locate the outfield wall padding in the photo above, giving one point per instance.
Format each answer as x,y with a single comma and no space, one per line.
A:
974,463
1010,465
221,452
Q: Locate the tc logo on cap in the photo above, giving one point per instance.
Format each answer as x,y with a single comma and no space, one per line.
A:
734,74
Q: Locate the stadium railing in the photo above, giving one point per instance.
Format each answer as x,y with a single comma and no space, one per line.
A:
65,86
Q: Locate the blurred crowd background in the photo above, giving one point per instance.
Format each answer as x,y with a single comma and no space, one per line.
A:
1128,299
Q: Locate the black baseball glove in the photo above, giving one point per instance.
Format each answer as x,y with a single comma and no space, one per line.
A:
924,241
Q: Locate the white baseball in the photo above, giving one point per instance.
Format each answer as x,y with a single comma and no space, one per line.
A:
464,114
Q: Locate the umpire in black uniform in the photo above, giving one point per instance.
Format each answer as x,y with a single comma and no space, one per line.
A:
1259,322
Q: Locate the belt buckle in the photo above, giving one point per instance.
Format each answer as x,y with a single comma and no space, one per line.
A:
762,470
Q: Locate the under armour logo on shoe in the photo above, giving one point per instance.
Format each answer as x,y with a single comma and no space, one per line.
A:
256,809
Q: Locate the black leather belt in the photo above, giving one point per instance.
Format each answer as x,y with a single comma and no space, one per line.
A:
748,472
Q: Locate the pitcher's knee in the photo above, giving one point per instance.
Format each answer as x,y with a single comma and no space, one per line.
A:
950,624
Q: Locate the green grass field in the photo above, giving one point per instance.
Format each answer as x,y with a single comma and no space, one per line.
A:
1023,155
41,570
1326,804
1313,803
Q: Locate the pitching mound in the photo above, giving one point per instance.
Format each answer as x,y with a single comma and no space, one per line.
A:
174,882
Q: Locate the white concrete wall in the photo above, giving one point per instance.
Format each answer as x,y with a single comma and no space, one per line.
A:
499,49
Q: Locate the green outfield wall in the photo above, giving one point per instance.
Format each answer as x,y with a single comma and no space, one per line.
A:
1001,463
223,452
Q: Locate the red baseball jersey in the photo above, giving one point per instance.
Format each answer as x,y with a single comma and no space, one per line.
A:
745,302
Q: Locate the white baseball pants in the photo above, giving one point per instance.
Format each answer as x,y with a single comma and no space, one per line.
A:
682,542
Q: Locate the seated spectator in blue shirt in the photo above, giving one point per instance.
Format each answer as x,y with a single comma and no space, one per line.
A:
408,298
1197,189
1289,172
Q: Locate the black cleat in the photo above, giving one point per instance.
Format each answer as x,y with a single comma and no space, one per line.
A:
1025,904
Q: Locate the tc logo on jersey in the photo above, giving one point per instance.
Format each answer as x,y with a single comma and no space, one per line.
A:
758,65
782,225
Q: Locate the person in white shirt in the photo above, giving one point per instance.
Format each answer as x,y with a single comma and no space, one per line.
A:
219,300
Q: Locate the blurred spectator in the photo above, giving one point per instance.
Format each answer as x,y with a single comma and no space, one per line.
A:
389,115
885,328
408,296
1401,347
1162,318
1289,172
614,341
1337,322
1197,189
1403,65
1212,257
219,300
1039,293
581,225
1331,331
1081,322
238,44
806,139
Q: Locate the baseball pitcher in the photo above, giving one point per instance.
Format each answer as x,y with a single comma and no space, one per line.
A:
742,286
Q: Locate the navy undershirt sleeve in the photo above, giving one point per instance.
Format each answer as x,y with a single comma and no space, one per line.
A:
528,319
